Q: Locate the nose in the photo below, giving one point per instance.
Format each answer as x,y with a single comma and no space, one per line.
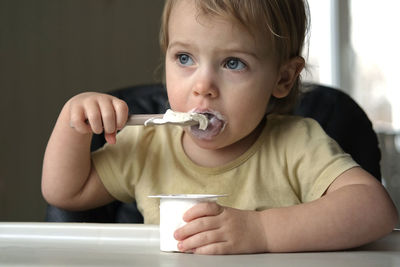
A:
206,86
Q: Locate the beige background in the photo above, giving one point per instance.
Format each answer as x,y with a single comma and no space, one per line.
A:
51,50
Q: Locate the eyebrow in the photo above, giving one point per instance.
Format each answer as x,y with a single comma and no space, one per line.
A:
178,43
226,50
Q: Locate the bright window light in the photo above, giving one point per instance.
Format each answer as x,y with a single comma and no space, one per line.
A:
370,58
376,41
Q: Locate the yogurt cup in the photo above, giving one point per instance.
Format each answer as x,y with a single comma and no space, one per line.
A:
172,208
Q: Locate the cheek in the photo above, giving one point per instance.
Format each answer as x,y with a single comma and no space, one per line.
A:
252,98
171,83
176,104
249,110
177,87
176,97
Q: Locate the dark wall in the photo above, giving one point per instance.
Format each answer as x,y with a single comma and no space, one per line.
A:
51,50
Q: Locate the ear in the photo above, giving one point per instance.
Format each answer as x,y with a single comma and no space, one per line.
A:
287,76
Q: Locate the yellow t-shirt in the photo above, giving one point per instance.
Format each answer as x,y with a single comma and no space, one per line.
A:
293,161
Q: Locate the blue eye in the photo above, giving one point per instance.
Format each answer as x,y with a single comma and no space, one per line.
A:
185,60
235,64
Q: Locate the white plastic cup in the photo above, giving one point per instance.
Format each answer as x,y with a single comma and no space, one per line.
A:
172,209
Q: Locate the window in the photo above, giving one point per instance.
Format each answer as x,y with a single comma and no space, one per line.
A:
320,47
375,41
354,46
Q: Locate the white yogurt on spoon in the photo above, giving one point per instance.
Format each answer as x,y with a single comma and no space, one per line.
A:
181,118
204,124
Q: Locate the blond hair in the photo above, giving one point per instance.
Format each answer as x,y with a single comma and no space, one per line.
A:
284,22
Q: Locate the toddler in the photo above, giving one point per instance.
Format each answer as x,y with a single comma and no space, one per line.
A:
290,187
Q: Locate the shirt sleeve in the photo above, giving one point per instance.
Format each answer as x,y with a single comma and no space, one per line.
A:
119,165
315,160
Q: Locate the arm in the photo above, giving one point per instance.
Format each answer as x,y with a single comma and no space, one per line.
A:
69,179
355,210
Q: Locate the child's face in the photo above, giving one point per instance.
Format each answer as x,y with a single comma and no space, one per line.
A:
217,67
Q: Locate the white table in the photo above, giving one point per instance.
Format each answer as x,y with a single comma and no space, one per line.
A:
79,244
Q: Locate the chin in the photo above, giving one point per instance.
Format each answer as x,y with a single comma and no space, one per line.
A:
208,143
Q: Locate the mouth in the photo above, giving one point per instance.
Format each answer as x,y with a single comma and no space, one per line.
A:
216,124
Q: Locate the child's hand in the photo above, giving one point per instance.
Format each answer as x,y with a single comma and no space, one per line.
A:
95,112
214,229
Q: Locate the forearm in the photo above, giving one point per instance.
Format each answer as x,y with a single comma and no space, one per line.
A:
66,163
348,217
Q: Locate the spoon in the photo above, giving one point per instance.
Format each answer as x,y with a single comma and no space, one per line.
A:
170,117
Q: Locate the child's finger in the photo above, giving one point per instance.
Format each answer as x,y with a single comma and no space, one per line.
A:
108,116
93,116
110,138
121,112
215,248
195,227
78,120
201,210
202,239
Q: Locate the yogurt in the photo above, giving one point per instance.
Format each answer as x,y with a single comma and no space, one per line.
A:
182,118
172,208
